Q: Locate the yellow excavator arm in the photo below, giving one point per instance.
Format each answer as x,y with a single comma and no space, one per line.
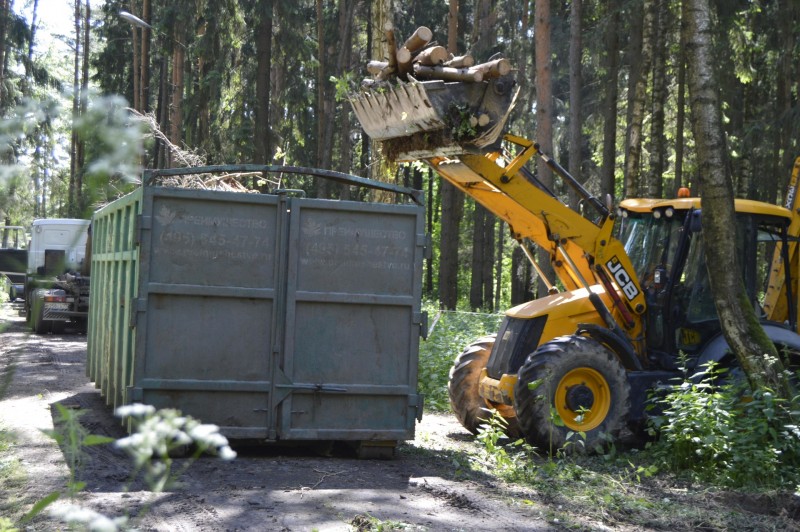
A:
582,253
776,306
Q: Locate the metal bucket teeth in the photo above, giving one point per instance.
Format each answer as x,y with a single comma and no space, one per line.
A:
396,112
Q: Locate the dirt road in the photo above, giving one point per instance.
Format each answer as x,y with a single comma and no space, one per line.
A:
263,488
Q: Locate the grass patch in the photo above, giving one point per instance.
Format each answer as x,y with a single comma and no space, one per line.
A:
369,523
12,478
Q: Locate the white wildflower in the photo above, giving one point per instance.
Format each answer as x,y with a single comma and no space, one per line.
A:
92,520
226,453
135,410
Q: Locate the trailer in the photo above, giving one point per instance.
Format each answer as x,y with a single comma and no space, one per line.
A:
275,316
57,279
13,259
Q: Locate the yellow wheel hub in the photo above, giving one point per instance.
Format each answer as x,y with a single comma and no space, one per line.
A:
583,399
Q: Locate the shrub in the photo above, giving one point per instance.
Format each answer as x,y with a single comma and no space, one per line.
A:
449,333
723,434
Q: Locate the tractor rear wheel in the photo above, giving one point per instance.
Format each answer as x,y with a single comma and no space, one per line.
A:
570,387
469,407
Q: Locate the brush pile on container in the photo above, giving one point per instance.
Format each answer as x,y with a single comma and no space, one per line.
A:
423,102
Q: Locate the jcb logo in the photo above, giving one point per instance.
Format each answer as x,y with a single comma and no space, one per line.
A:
623,278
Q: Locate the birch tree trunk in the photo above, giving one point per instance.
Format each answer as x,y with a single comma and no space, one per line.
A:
737,317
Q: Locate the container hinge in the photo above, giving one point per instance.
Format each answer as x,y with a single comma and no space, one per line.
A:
135,394
421,319
143,223
417,402
138,305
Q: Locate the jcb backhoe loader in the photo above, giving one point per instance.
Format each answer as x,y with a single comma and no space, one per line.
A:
634,292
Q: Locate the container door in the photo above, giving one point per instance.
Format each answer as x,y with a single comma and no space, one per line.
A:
206,306
347,369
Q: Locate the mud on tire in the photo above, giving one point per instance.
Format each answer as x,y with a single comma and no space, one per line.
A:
586,386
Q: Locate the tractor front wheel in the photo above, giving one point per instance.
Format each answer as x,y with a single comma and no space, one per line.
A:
469,407
572,393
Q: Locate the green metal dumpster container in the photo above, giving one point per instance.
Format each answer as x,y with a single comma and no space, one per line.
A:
273,316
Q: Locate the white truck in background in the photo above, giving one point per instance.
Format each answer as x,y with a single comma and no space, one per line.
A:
57,281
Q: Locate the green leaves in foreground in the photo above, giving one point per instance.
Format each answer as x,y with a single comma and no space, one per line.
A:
723,434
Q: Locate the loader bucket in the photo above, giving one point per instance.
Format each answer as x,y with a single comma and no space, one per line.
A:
419,120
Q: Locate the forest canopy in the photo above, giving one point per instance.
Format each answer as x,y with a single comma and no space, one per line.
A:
266,81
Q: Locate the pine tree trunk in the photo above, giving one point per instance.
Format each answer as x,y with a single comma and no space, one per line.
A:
5,12
488,262
73,196
452,211
452,203
176,105
323,114
637,103
575,86
160,151
263,143
737,317
80,148
136,45
498,264
432,208
144,60
654,185
521,286
544,112
523,56
680,112
346,9
452,27
610,101
478,252
788,10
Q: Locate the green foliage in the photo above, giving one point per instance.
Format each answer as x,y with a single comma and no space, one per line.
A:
511,464
73,439
449,333
714,433
459,121
344,85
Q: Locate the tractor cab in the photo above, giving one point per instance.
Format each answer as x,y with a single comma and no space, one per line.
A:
664,240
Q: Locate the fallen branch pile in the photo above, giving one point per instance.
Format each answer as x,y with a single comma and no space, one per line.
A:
236,182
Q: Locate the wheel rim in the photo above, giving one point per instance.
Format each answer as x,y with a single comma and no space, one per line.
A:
583,399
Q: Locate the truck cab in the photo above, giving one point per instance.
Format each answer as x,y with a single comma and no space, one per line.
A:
57,282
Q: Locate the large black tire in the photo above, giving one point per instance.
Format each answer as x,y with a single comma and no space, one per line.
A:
469,407
579,386
38,324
